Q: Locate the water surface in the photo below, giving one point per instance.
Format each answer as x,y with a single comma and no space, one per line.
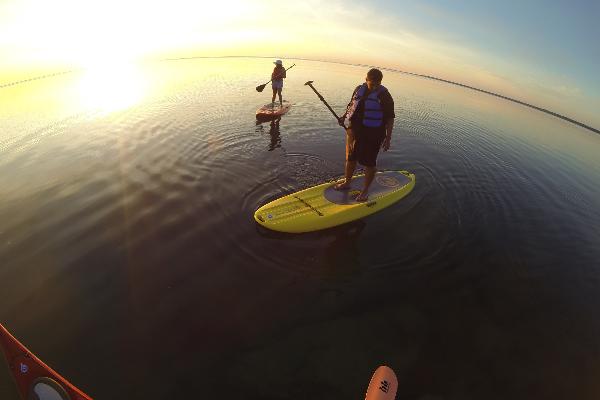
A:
130,261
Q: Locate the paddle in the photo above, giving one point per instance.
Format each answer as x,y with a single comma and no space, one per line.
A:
309,83
383,385
260,88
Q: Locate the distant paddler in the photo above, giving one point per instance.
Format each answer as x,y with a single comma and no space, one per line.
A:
277,77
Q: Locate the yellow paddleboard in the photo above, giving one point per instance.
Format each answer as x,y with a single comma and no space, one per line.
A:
321,206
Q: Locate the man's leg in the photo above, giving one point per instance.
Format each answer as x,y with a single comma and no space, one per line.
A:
369,160
349,171
369,175
350,141
273,99
350,165
279,93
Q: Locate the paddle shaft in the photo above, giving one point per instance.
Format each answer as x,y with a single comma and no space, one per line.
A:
309,83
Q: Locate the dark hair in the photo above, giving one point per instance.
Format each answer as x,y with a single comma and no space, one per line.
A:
375,74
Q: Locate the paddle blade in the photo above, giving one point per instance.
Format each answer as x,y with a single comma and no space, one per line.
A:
260,88
383,385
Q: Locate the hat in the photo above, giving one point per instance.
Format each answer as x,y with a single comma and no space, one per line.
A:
278,62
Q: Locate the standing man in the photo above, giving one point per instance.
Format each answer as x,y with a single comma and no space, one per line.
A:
371,121
277,81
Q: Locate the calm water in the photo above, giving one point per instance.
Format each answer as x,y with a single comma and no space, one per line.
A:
130,261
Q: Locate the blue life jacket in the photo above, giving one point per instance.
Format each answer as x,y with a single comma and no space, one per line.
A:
373,112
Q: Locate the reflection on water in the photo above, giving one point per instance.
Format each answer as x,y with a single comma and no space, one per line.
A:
126,205
274,132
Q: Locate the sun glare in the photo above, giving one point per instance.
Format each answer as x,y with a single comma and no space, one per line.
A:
83,33
111,87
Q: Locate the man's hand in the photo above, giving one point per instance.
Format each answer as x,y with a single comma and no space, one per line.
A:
341,120
386,143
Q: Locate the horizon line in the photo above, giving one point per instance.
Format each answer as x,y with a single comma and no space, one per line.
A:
389,69
521,102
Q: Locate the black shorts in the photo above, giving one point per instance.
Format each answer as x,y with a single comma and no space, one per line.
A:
367,143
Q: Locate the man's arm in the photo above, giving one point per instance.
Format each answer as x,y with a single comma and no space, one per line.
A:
389,115
342,118
389,127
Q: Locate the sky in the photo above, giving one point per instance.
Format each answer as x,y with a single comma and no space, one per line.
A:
542,52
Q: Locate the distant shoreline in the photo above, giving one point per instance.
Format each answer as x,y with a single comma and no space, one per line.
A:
571,120
35,78
545,110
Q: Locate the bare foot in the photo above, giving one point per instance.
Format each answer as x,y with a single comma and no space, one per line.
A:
363,196
342,186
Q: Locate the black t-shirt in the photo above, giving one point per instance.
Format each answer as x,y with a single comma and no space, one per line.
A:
278,74
387,105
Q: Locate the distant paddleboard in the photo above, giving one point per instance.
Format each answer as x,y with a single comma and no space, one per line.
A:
271,111
321,206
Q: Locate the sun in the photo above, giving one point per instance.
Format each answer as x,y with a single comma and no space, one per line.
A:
85,33
111,87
